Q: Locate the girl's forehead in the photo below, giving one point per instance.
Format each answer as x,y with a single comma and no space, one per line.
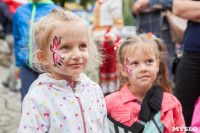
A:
69,32
144,49
70,28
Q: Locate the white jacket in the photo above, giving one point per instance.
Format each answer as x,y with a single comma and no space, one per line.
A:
51,106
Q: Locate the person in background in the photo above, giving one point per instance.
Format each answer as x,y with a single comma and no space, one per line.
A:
13,4
188,71
149,18
24,18
6,19
63,99
107,24
143,103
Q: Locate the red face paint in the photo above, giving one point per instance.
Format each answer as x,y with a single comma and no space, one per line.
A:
128,69
57,58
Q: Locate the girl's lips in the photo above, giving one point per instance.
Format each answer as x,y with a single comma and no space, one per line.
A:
76,65
144,77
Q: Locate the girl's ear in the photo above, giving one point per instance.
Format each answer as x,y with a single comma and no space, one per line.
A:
41,57
123,71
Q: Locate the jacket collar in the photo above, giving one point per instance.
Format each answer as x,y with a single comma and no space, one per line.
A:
82,83
169,102
127,95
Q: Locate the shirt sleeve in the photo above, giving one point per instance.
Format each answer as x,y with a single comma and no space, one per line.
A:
171,114
103,107
105,121
179,120
17,39
195,126
34,115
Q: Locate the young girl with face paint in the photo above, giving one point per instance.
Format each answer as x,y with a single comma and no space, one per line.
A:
144,103
63,99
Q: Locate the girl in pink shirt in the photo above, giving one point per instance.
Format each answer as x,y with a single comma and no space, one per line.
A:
144,103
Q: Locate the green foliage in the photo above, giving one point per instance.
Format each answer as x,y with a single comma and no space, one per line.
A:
127,15
84,2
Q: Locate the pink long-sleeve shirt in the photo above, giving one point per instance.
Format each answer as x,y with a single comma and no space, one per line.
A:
122,107
196,117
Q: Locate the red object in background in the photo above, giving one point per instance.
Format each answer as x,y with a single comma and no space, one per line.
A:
109,66
12,4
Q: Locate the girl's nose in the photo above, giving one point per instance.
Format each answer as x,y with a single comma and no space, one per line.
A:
76,53
143,68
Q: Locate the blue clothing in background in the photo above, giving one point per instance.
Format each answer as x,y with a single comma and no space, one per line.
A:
21,27
28,77
192,37
24,18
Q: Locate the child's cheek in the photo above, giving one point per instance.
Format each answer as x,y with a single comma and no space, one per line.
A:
130,71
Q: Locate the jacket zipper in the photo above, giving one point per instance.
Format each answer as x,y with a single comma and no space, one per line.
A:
82,114
78,99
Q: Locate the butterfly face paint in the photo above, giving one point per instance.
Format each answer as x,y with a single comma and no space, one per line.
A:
57,58
128,69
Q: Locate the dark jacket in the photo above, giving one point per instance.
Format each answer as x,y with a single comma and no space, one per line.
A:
6,18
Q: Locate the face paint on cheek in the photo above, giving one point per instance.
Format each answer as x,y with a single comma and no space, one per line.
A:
128,69
57,58
60,66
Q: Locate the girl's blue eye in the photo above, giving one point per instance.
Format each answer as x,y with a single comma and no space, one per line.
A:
149,61
83,46
134,63
65,47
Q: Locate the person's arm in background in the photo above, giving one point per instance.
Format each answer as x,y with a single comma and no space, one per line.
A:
187,9
153,4
17,40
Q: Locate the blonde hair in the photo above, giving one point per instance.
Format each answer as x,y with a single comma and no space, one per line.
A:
146,43
44,27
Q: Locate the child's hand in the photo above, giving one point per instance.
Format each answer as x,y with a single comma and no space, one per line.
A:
17,72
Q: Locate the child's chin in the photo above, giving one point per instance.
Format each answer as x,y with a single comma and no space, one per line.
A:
76,73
